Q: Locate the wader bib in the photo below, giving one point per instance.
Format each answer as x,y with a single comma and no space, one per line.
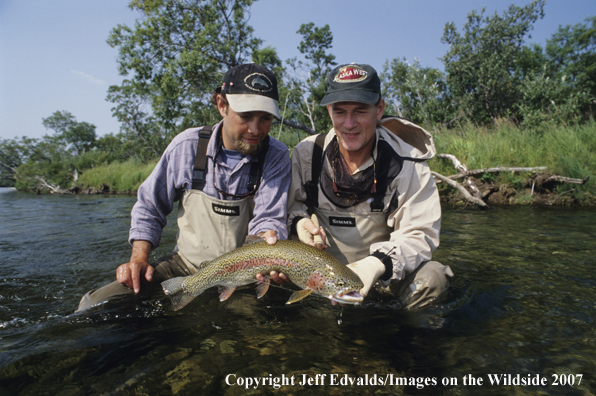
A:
349,235
209,227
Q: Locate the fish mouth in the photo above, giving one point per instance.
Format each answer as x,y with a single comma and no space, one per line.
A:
353,297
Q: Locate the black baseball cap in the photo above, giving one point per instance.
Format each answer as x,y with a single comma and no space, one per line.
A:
251,87
352,83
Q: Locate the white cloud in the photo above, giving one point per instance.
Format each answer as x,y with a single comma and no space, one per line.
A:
88,77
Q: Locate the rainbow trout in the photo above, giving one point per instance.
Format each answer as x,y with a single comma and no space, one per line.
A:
309,268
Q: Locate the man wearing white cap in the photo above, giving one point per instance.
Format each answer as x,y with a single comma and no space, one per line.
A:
372,192
231,181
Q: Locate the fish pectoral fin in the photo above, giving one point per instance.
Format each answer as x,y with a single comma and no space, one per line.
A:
225,292
262,287
298,295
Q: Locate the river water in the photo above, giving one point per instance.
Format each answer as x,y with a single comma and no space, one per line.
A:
521,311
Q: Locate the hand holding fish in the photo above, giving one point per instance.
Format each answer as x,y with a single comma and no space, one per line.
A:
130,273
311,233
270,236
277,277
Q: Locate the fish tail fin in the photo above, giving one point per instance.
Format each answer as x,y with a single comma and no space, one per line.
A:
178,292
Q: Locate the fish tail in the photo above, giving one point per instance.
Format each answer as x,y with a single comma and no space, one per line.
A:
179,292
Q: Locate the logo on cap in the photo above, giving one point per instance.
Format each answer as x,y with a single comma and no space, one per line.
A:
258,82
350,73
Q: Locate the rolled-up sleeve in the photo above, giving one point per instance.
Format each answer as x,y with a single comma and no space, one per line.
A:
157,194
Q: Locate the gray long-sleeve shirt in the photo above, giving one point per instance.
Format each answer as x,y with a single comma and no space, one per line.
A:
173,174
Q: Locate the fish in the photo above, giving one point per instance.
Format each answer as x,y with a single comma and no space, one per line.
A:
311,269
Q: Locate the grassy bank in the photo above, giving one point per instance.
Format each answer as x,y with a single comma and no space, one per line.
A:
117,177
566,151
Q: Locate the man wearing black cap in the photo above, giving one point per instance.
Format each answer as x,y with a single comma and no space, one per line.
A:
367,183
231,181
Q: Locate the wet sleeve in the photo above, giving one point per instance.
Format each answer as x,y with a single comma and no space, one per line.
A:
416,221
157,194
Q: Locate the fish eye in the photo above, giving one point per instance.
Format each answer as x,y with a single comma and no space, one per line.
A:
341,283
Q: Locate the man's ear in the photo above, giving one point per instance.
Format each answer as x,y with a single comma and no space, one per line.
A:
222,105
381,109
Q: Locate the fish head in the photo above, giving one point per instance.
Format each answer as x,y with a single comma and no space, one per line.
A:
338,283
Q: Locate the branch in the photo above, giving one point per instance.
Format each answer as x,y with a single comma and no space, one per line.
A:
496,170
10,168
461,189
51,187
458,165
563,179
297,125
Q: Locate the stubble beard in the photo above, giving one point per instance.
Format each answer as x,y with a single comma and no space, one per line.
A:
246,148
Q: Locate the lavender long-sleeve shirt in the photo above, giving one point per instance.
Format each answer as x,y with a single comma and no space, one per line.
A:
173,174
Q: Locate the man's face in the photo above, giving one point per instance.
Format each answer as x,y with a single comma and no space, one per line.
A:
355,123
243,132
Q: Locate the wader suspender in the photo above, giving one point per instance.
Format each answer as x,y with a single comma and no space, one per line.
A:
311,187
200,173
200,170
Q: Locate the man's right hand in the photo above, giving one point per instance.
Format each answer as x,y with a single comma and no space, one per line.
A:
130,273
307,229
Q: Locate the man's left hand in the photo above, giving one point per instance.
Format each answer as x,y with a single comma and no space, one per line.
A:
269,236
369,270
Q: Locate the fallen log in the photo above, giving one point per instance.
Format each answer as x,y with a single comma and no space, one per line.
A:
457,163
466,195
474,172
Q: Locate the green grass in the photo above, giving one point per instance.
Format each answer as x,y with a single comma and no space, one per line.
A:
118,176
565,150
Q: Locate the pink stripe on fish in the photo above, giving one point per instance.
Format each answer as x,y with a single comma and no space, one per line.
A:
248,264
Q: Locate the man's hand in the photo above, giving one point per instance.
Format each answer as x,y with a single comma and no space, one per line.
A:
130,273
369,270
278,277
269,236
311,233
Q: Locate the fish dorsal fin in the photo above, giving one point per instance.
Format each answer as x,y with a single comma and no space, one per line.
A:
226,292
262,287
250,239
298,295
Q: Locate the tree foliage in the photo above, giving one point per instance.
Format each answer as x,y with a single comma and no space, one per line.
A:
307,85
415,92
571,52
174,57
480,65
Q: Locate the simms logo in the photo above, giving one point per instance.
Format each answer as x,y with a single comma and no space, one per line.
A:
342,221
226,210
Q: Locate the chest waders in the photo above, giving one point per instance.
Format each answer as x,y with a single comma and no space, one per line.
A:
209,227
350,234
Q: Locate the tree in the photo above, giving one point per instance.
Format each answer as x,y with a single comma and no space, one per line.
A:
308,86
11,157
417,93
571,52
482,73
175,56
79,135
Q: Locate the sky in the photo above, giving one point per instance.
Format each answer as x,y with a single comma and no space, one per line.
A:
54,55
